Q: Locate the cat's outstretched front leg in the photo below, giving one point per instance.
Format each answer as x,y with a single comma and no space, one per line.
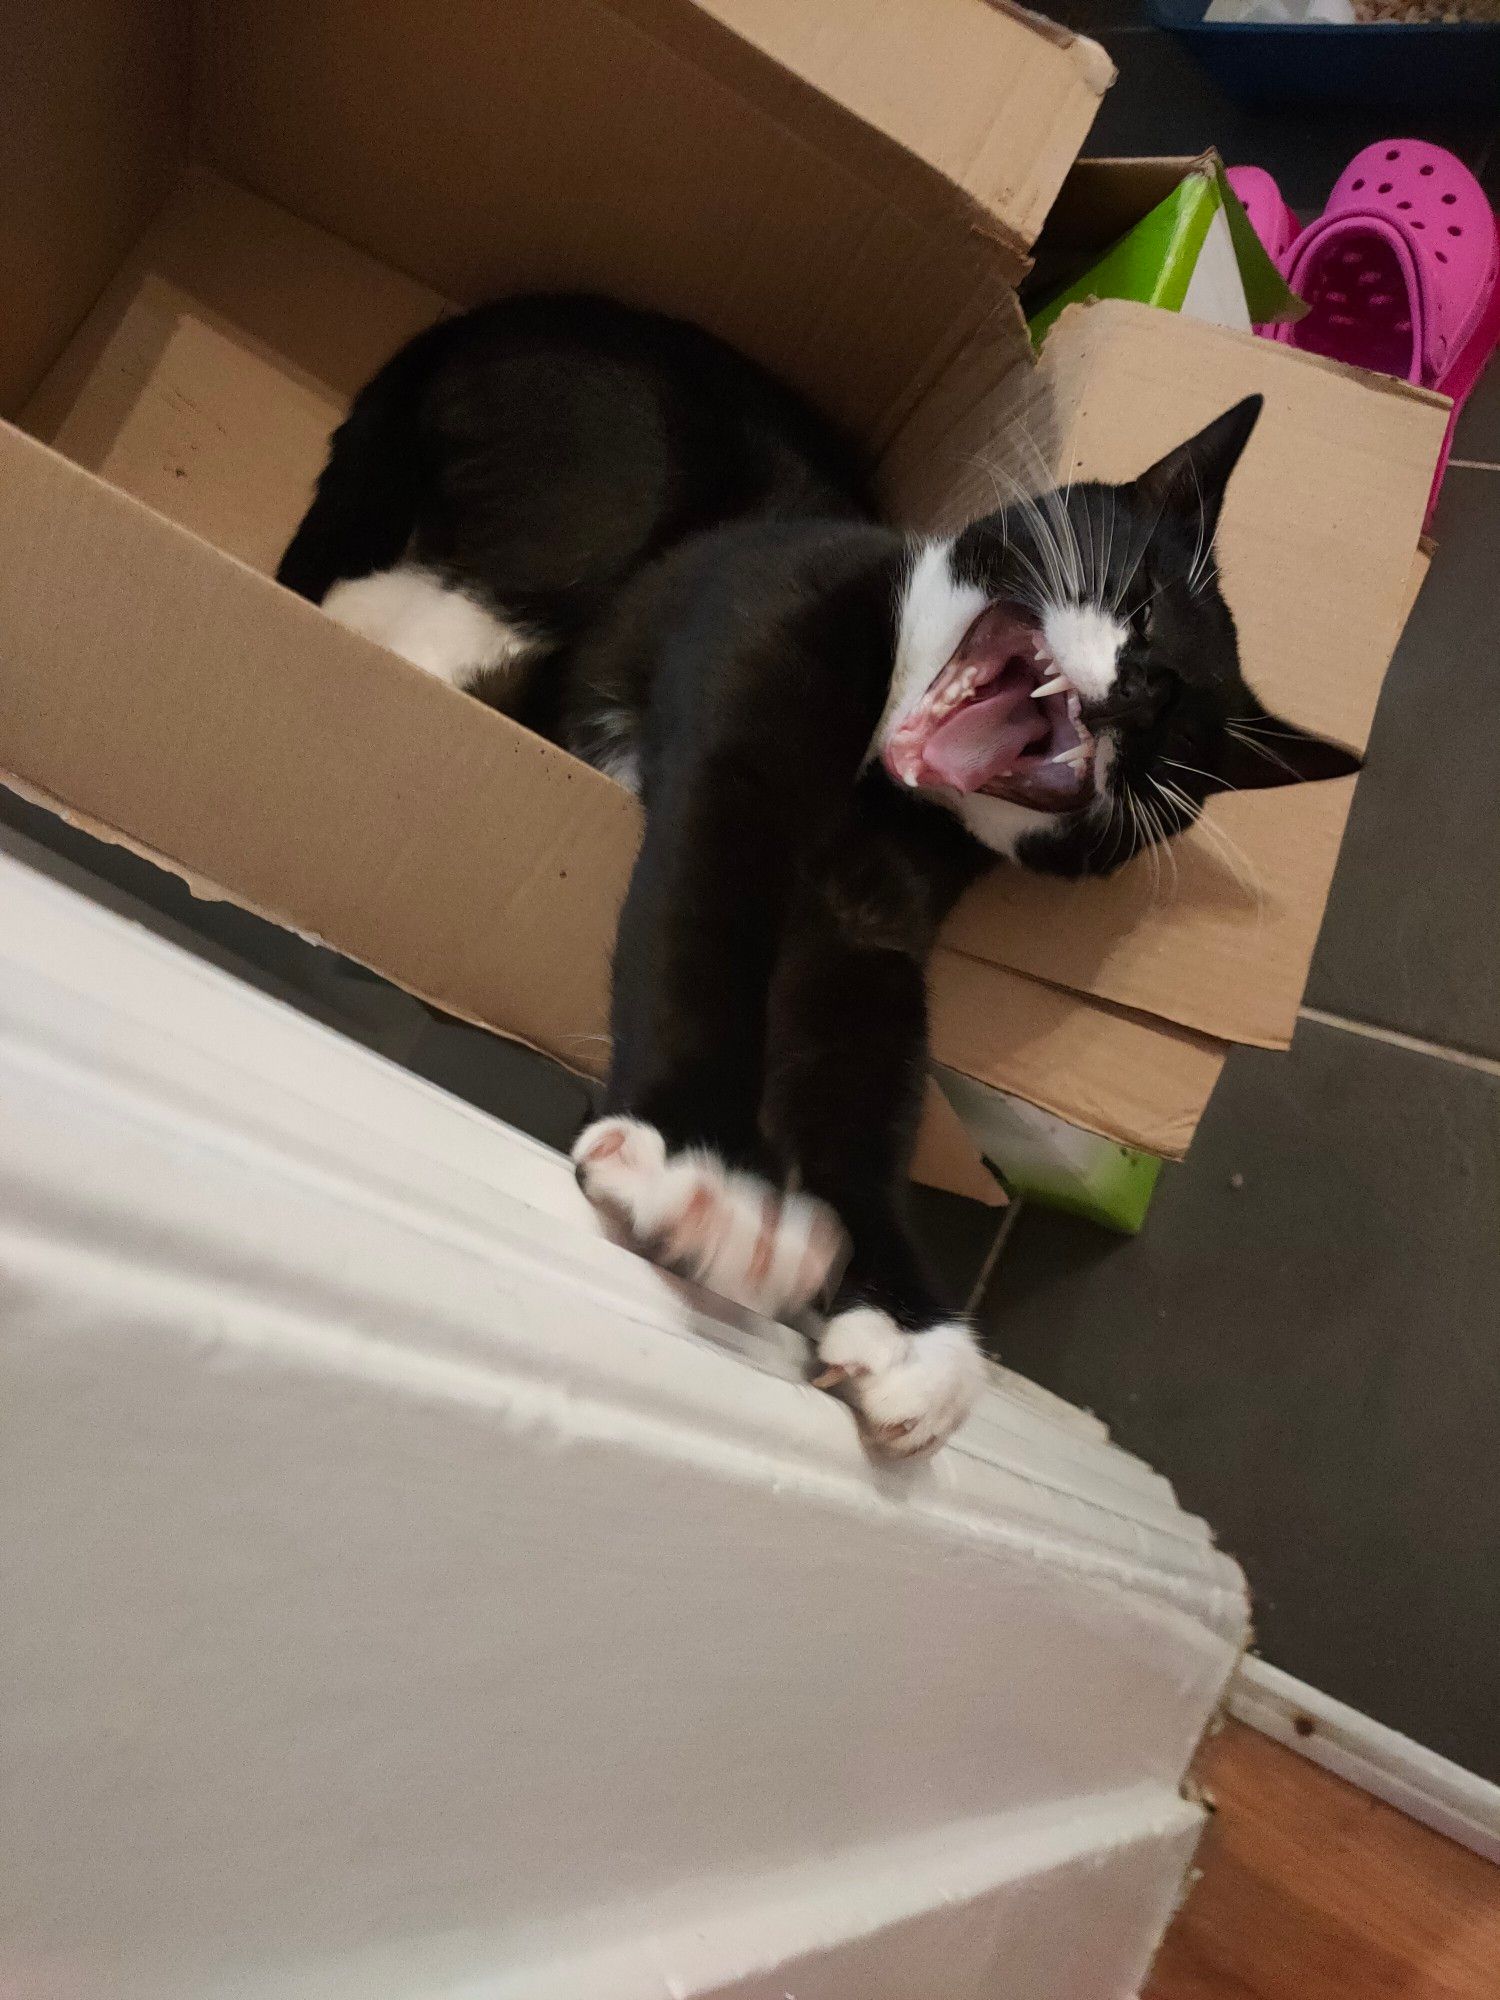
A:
846,1077
678,1163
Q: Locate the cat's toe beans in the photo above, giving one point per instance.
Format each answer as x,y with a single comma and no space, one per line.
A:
911,1390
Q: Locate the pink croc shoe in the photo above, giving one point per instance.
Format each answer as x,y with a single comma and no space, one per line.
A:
1261,199
1400,273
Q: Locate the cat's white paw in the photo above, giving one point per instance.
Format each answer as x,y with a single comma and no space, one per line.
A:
731,1231
911,1390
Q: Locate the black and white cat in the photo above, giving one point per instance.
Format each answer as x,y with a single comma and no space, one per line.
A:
641,545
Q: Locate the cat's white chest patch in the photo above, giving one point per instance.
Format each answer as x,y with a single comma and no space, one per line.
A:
1086,643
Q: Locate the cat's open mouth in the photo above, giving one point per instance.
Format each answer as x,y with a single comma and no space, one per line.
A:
1000,718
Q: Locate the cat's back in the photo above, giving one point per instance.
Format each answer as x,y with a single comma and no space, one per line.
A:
568,437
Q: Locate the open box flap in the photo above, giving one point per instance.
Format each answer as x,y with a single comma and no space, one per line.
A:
1124,1075
1319,532
996,99
712,182
921,99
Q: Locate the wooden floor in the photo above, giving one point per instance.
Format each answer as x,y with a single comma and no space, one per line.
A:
1312,1890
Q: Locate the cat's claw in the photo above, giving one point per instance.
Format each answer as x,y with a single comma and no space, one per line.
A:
911,1391
729,1230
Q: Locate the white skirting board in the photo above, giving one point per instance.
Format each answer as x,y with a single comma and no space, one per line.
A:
408,1592
1415,1780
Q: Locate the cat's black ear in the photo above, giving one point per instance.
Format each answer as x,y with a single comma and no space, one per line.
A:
1194,476
1258,749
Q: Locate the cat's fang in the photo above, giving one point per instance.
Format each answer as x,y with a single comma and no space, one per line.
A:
1057,685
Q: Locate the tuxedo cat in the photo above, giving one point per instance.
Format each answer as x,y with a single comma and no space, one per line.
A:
641,545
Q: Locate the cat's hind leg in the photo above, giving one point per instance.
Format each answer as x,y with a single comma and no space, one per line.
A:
436,625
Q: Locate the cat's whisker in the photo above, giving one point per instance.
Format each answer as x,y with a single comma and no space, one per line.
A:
1260,749
1203,547
1146,831
1234,858
1263,725
1147,536
1196,771
1051,518
1109,542
1163,838
1129,617
1055,588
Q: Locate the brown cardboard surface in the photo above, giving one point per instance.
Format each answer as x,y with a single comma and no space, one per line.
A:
211,371
93,126
705,181
204,384
324,314
1319,532
1121,1074
232,729
998,101
1421,562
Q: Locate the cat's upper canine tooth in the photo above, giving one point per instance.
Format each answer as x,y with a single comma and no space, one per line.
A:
1055,686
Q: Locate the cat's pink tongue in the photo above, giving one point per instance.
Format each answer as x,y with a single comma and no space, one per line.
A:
982,742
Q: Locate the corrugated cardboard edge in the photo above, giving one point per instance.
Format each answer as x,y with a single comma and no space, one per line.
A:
892,112
1095,61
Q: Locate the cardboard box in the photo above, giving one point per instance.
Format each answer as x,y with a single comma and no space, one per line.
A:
220,220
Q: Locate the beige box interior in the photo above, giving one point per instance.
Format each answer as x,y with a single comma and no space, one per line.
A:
232,213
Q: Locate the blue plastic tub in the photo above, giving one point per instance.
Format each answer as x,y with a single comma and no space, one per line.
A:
1431,67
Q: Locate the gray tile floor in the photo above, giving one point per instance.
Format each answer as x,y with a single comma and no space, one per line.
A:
1306,1336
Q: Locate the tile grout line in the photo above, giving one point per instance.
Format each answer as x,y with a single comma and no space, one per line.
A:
1394,1038
987,1269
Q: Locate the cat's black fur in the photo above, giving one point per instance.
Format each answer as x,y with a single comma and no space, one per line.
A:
696,551
769,996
